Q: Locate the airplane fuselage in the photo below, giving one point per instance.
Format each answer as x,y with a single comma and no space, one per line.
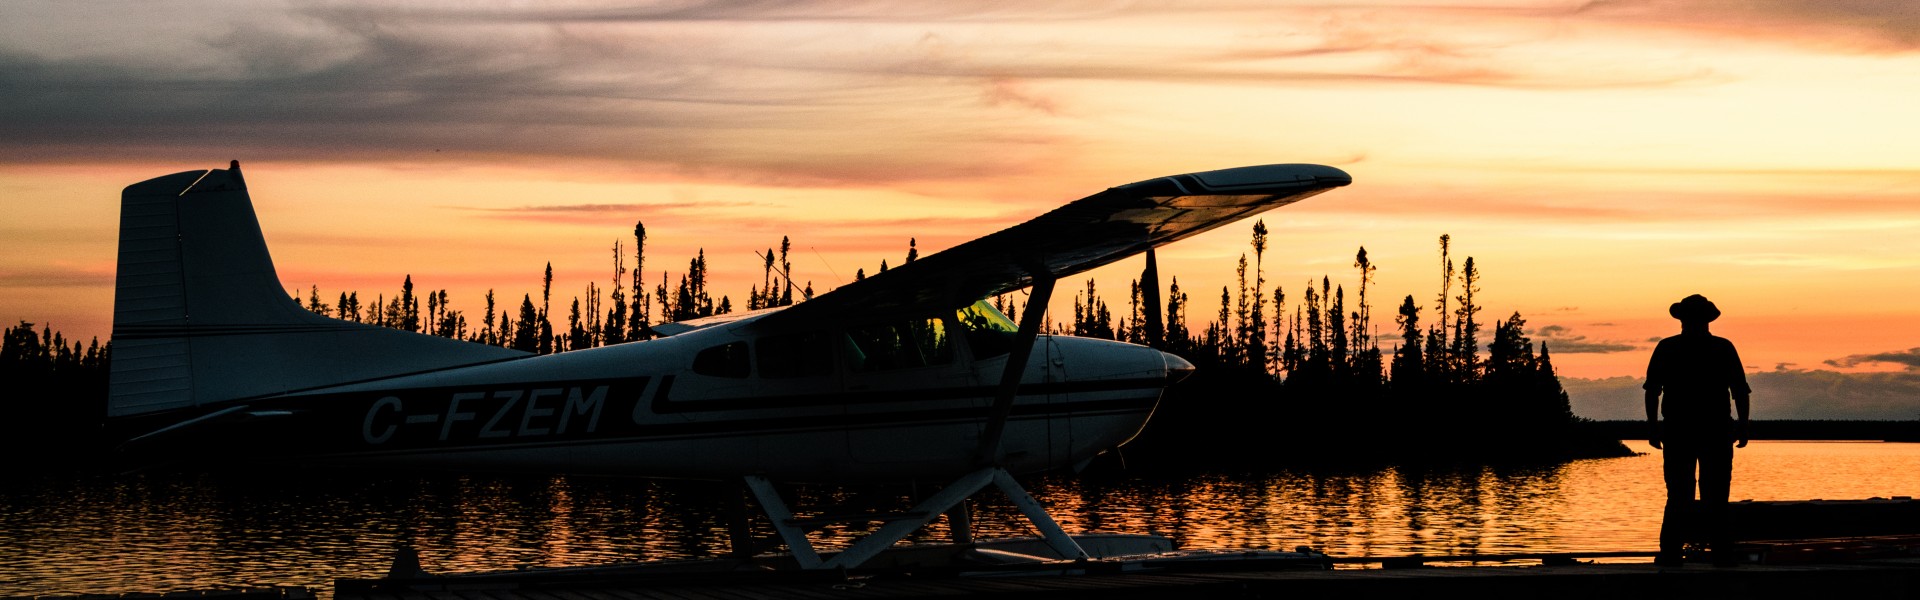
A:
666,408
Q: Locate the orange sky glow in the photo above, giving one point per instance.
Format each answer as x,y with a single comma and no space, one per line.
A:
1598,160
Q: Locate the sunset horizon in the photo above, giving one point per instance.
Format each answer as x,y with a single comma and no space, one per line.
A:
1598,160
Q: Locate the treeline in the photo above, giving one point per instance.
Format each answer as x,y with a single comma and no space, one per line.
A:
55,394
1298,366
624,314
1278,370
60,388
1277,377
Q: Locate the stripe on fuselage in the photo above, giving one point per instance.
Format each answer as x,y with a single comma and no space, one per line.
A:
616,410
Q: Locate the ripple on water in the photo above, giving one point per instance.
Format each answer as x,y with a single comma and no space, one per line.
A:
171,531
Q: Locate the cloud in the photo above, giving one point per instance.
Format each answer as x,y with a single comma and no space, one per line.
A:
828,11
1879,26
611,207
56,278
1778,394
770,92
346,86
1909,358
1008,91
598,215
1561,340
1606,399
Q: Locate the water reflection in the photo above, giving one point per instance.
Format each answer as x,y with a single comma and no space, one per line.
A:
1393,510
158,532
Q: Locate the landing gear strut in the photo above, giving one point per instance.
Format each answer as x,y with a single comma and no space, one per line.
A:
947,501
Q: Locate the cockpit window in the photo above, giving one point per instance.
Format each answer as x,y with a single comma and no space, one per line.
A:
907,345
727,360
989,333
795,355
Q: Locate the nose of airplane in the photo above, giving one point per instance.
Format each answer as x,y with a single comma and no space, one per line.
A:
1177,368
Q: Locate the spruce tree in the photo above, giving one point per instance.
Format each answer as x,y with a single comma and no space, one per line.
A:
409,307
577,338
1256,326
1466,338
526,331
1408,363
314,304
1277,348
786,276
1242,312
614,330
640,315
486,334
1337,347
1318,362
1178,338
1439,356
506,332
1362,332
546,299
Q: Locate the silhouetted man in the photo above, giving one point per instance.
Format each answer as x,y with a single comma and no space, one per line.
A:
1697,372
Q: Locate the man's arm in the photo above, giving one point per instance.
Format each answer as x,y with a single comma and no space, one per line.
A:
1742,396
1653,384
1653,417
1740,403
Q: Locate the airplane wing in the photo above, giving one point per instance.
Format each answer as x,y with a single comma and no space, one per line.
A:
1085,234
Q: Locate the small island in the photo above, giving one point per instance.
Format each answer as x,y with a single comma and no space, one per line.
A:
1313,386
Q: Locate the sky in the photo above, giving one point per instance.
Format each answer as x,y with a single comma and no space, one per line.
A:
1599,160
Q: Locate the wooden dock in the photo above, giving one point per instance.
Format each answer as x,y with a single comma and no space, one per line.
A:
1886,567
1880,568
1893,579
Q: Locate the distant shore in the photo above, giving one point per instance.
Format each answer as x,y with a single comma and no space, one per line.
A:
1903,431
85,450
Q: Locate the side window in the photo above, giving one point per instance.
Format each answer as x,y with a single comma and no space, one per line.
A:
989,333
794,355
727,360
890,346
930,336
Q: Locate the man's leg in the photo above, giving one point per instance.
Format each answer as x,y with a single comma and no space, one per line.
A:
1675,522
1716,476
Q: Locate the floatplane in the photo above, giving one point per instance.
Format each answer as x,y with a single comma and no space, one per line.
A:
908,375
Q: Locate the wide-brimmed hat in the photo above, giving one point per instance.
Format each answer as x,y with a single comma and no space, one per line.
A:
1694,308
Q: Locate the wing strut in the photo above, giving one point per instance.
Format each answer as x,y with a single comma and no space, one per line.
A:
1030,319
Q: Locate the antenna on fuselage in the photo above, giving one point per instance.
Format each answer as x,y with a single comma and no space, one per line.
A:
837,280
787,274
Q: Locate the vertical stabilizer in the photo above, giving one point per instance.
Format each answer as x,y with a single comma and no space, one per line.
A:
200,317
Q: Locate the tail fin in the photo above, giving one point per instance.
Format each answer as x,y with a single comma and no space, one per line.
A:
199,316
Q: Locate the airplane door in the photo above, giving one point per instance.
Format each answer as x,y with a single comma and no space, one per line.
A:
900,379
1059,423
799,378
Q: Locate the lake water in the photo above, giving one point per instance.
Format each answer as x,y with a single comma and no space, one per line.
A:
160,532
